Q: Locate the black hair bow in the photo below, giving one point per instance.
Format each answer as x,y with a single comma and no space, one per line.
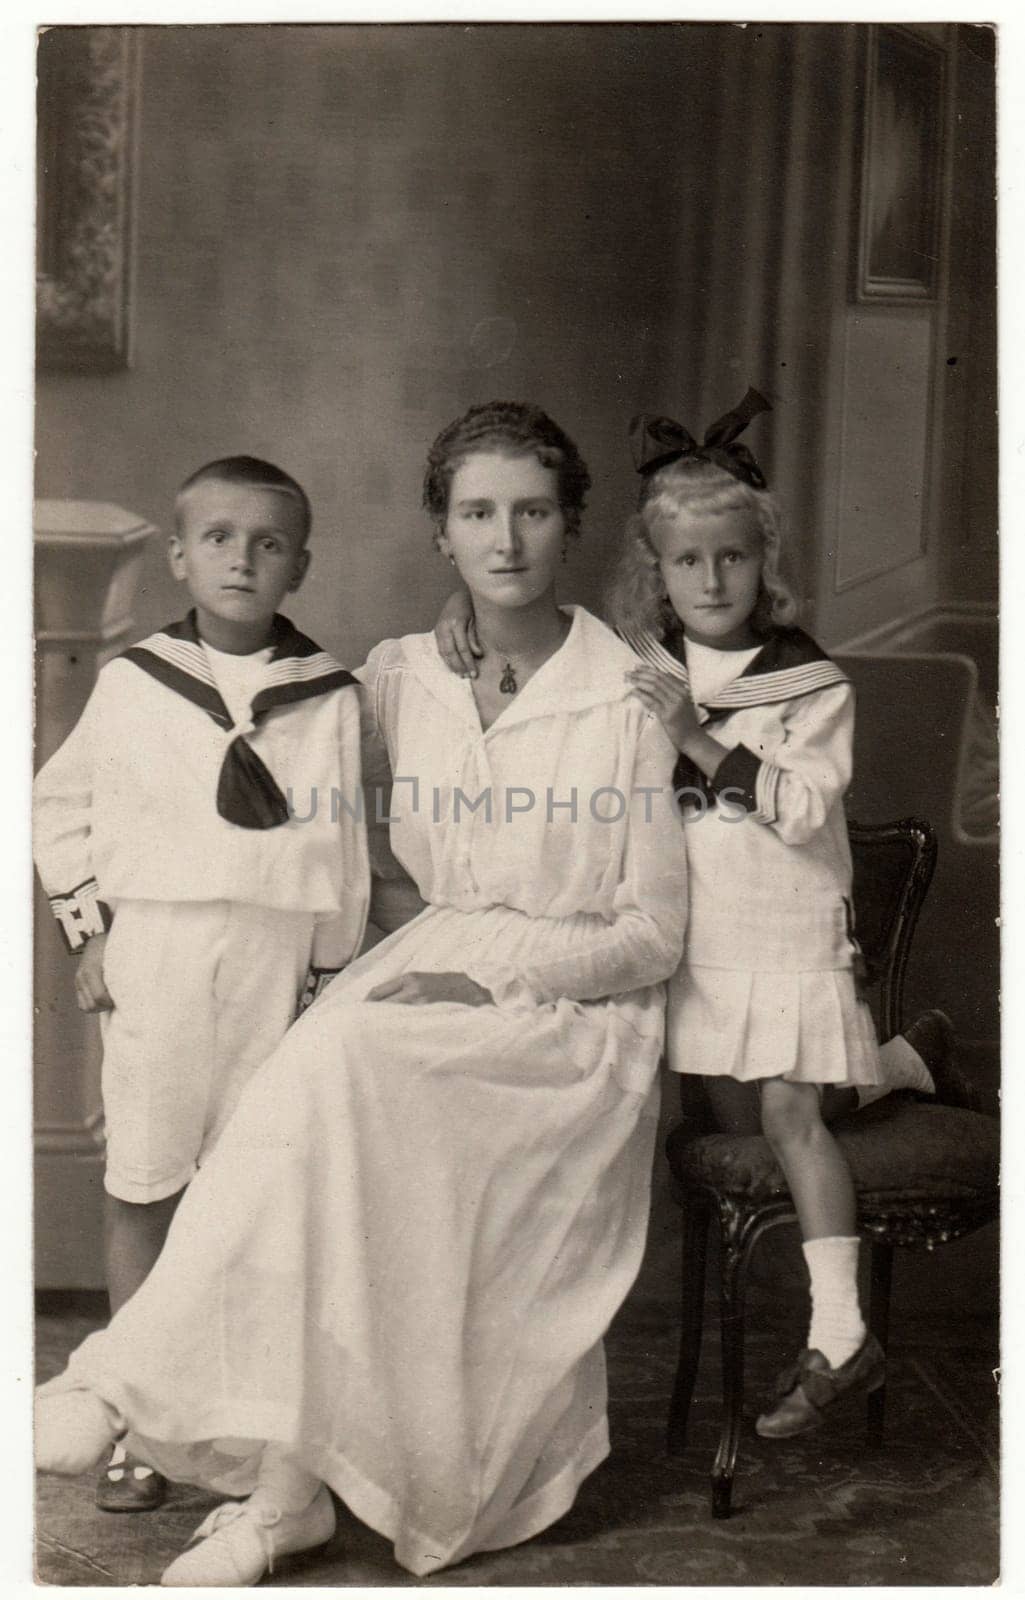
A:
656,441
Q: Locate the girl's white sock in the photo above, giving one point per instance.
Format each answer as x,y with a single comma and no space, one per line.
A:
903,1068
282,1482
837,1327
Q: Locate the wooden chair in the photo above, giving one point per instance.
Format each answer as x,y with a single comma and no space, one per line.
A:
923,1173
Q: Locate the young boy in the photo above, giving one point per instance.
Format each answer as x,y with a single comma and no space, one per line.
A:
191,837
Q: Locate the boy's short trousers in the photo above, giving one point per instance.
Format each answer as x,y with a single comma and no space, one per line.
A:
203,992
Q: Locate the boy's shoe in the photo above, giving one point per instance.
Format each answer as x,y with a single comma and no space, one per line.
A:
73,1431
932,1036
127,1484
810,1391
242,1539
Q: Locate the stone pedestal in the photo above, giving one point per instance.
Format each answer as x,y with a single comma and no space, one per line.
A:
88,557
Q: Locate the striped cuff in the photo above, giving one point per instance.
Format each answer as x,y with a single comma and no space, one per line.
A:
765,792
317,980
80,913
750,783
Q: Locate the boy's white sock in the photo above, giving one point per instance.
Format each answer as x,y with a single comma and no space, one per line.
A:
903,1068
74,1428
837,1326
121,1462
281,1482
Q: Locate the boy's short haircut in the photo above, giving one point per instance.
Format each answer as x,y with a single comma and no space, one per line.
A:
257,474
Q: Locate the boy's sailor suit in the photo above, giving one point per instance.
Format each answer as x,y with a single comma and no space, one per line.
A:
226,856
766,987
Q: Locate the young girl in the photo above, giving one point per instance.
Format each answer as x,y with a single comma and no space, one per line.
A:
764,724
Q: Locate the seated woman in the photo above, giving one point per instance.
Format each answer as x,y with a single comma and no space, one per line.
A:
394,1274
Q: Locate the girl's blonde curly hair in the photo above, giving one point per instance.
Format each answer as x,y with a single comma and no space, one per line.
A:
637,595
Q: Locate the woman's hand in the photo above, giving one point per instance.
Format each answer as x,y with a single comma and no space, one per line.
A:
455,634
432,988
91,991
667,699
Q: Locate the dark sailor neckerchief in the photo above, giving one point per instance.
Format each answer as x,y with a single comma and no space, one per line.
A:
788,666
298,669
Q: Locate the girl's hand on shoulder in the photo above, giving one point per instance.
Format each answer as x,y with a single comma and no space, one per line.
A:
91,991
432,988
667,699
455,633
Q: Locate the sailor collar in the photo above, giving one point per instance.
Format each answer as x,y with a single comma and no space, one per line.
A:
788,666
298,669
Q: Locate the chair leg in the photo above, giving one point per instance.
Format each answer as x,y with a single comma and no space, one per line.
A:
879,1323
736,1236
692,1316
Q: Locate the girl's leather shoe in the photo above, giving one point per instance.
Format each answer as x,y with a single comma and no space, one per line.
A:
811,1392
932,1035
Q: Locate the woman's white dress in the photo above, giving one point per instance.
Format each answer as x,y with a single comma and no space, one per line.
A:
402,1257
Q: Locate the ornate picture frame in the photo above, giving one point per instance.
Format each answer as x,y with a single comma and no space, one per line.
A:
901,168
86,105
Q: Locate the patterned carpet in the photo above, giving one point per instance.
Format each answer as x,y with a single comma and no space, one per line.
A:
822,1510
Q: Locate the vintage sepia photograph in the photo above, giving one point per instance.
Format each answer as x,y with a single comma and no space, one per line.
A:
516,941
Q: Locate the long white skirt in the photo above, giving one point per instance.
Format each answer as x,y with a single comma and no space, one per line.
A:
401,1259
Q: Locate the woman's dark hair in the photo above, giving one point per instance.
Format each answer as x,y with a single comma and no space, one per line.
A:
508,428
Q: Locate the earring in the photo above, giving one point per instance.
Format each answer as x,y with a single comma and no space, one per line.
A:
452,558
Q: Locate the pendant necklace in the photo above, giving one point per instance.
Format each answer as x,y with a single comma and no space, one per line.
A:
508,682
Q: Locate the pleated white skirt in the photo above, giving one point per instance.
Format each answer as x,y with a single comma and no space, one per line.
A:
808,1027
